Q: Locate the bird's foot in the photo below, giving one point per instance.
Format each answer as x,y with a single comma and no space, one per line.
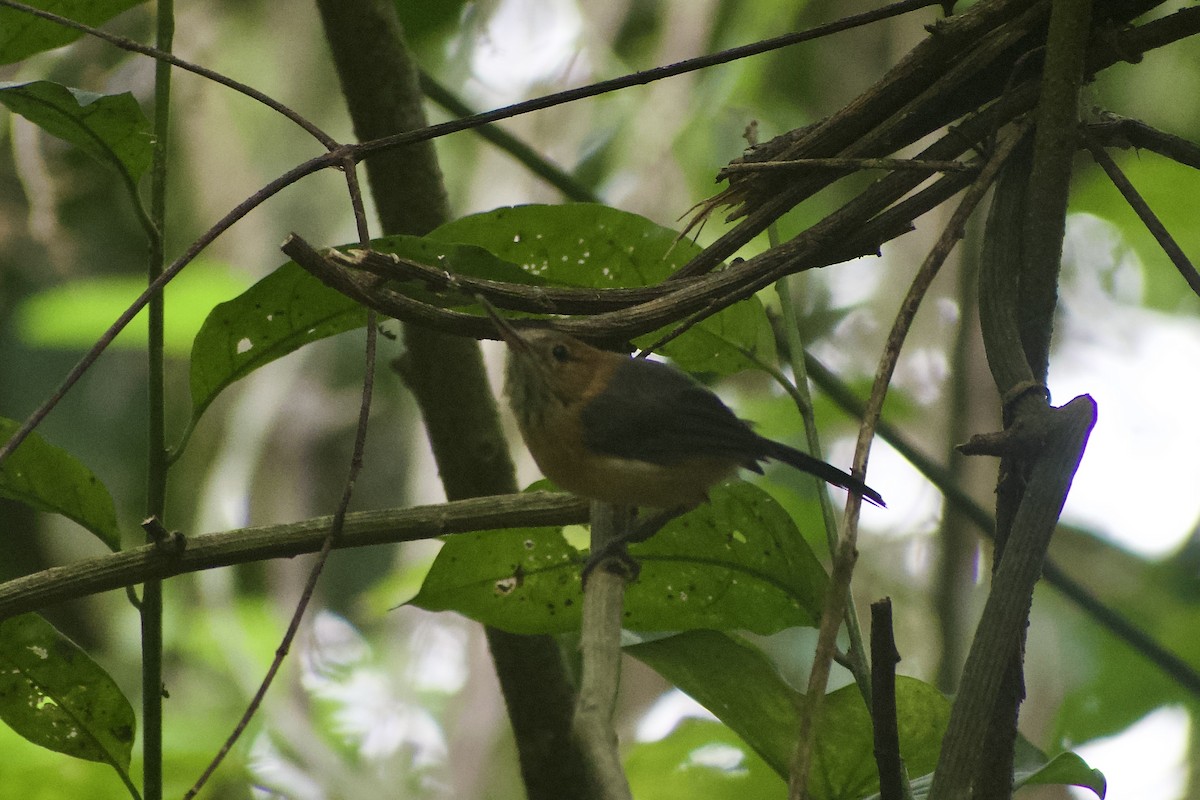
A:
612,558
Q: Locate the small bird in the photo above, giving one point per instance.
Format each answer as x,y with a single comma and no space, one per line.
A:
630,431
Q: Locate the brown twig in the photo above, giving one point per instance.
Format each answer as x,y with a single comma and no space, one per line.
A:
338,522
332,534
891,164
885,728
1140,207
1116,131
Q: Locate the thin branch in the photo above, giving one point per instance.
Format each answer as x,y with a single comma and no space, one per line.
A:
651,75
529,158
1146,215
1116,131
856,654
157,468
169,58
891,164
332,535
339,517
503,294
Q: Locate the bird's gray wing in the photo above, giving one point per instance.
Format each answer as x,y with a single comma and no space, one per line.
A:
651,411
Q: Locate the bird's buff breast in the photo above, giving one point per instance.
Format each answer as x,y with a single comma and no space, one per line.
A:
557,447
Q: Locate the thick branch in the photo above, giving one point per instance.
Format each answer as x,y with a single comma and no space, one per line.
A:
600,660
1055,141
1006,612
246,545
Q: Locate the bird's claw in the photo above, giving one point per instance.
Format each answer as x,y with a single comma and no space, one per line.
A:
613,558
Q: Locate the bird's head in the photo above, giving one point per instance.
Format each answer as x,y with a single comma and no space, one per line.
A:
547,367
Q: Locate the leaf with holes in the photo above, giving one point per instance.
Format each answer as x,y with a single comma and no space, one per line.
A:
56,696
49,478
592,245
735,563
290,308
278,315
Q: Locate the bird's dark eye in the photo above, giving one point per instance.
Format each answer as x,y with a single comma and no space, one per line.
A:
561,353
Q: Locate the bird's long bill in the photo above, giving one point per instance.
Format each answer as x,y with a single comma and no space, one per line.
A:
511,336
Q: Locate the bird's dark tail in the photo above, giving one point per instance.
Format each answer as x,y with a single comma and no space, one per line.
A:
815,466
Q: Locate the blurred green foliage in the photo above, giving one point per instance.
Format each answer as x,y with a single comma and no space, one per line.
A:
273,443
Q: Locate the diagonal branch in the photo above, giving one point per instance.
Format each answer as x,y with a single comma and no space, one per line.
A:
1146,215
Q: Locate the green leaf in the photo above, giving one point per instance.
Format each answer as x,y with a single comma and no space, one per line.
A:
735,563
1031,768
592,245
703,759
110,128
1110,685
278,315
715,345
743,689
290,308
522,580
22,35
1065,768
75,314
736,682
845,762
575,244
56,696
1171,190
49,478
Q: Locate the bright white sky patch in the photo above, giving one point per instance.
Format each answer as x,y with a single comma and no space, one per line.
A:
666,713
526,42
1146,760
1138,483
